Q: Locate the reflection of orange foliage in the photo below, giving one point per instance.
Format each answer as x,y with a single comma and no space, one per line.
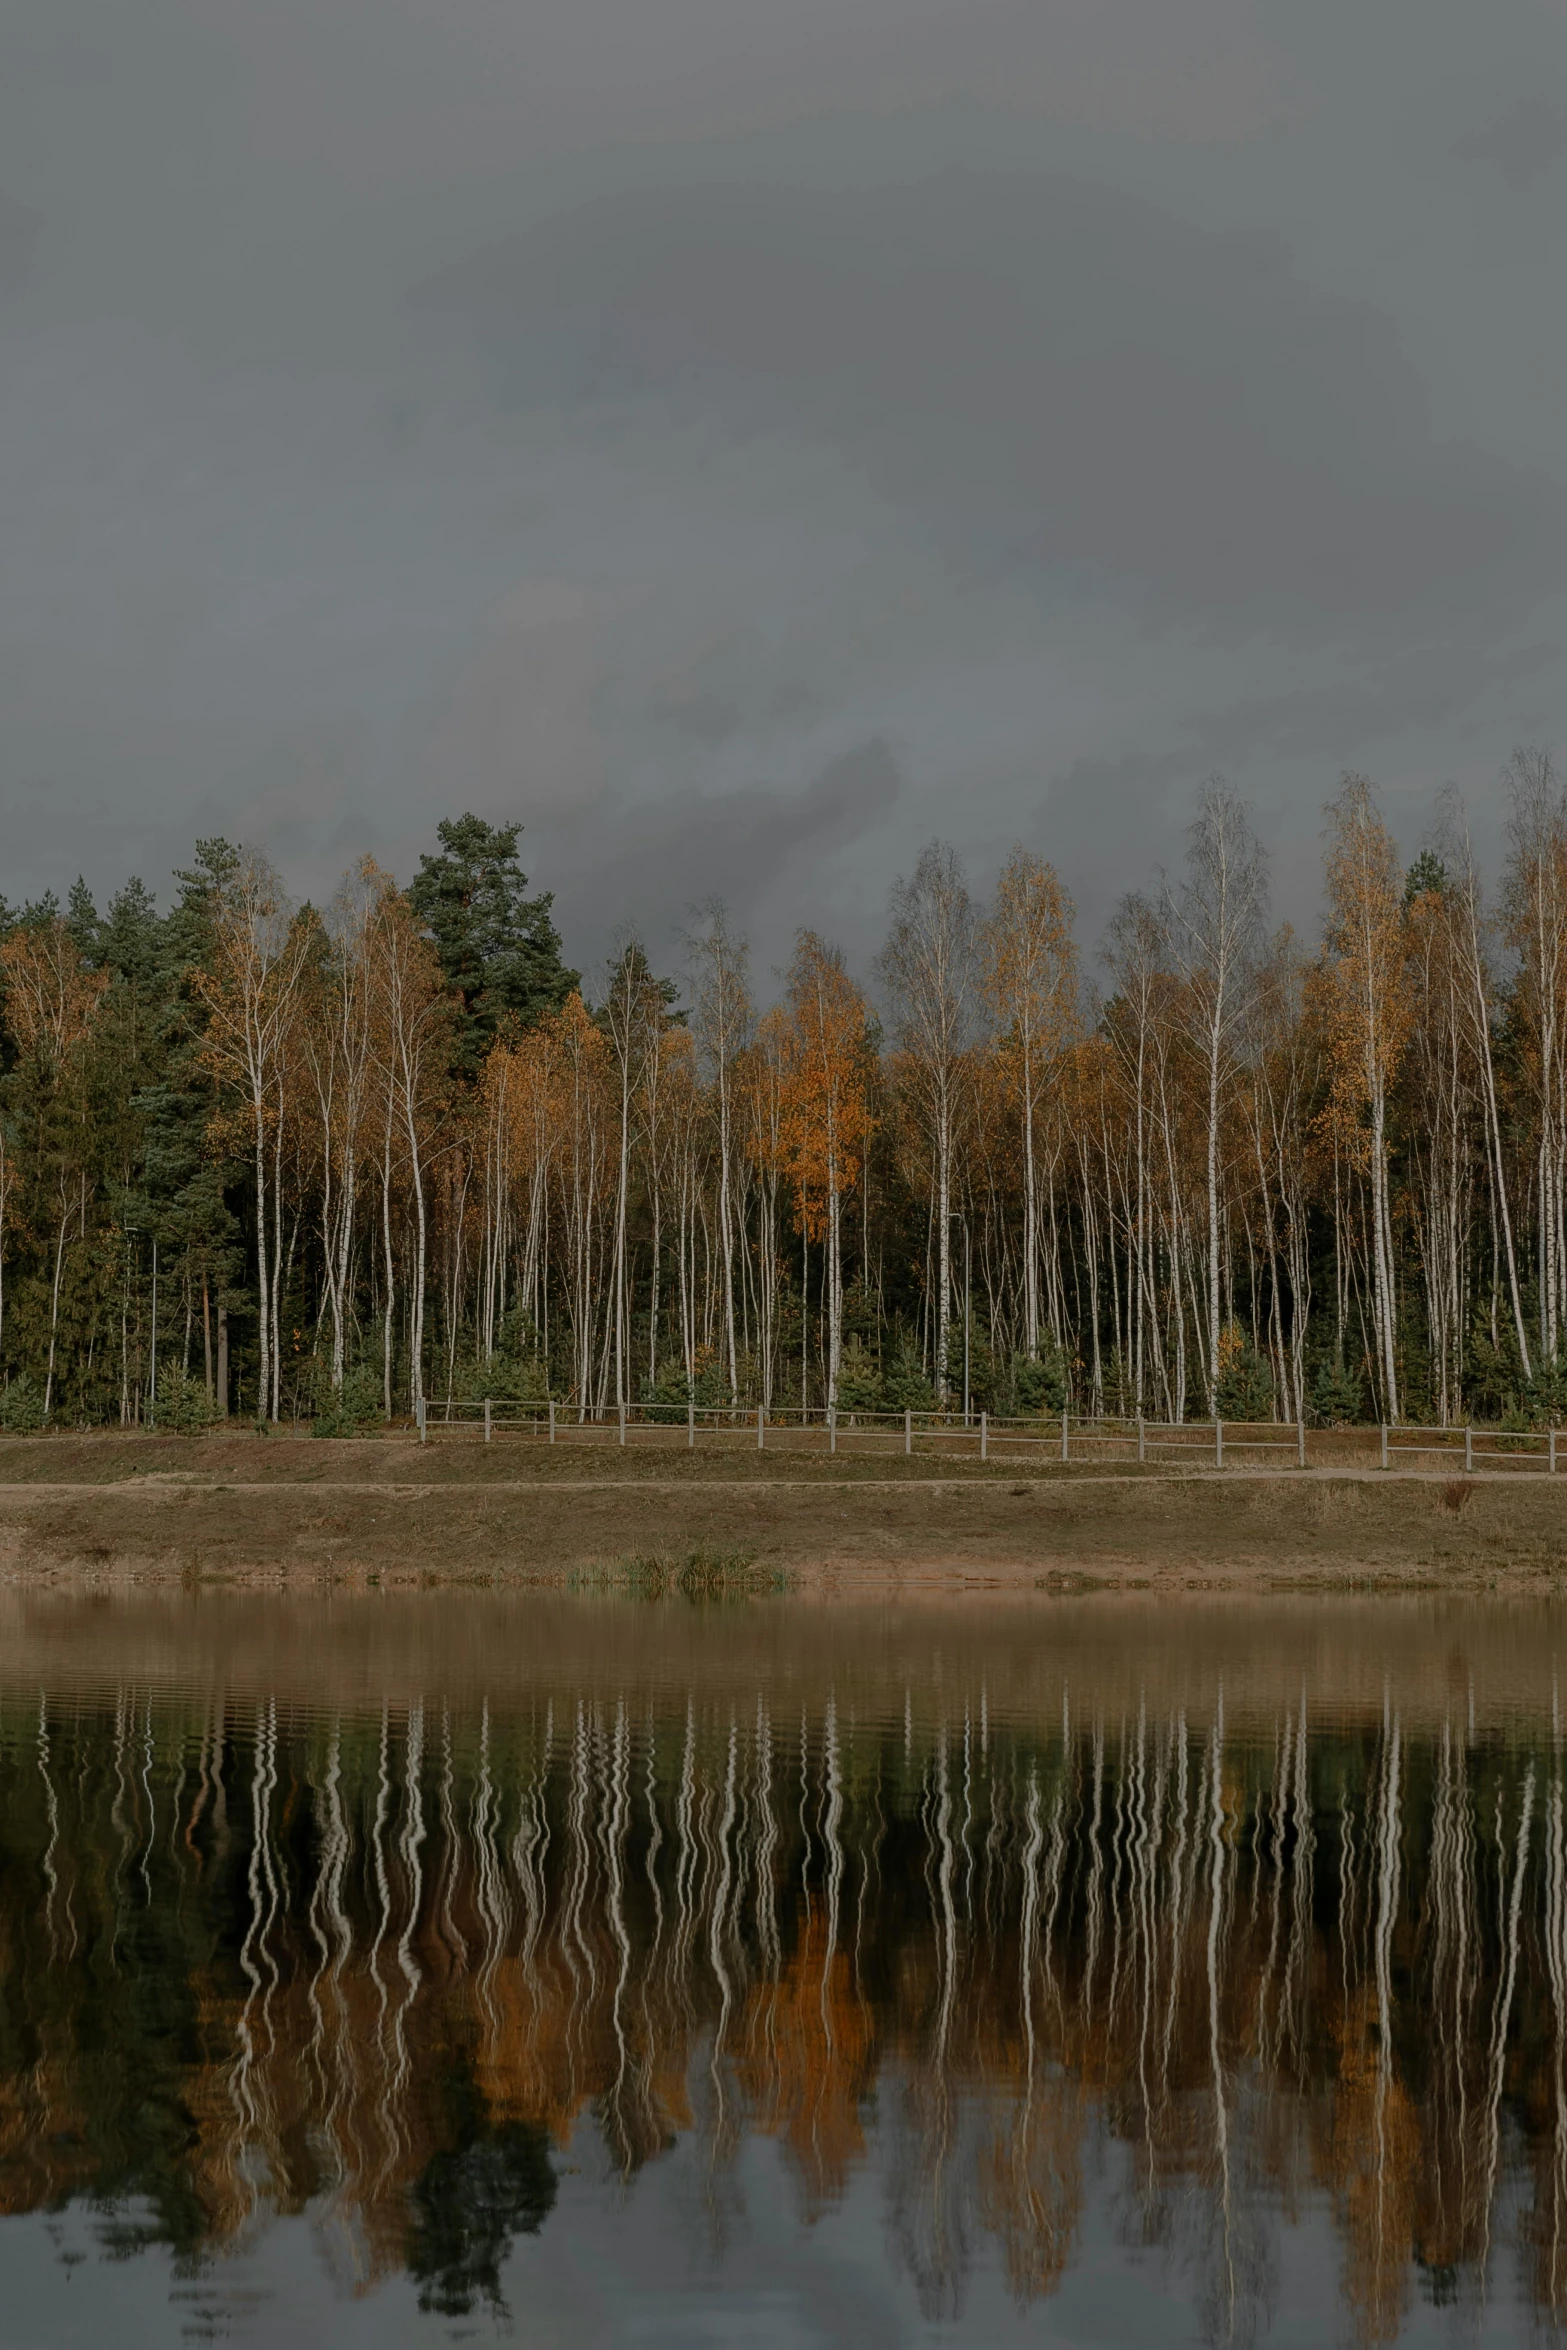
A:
1031,2186
45,2153
806,2050
544,2051
1375,2159
1178,1991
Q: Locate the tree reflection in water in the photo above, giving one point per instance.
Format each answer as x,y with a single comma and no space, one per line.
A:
377,1967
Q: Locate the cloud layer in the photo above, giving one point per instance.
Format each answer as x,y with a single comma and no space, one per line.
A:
741,442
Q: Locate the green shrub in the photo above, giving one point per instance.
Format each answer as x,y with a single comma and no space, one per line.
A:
183,1406
354,1409
1040,1382
504,1379
517,1372
1493,1379
859,1380
667,1397
1545,1396
1337,1396
1245,1380
21,1406
904,1385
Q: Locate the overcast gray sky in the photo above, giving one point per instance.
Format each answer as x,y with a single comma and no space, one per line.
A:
742,440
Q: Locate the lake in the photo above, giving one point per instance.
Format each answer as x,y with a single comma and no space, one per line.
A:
404,1967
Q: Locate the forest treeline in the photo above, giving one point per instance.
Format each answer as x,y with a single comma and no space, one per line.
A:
339,1161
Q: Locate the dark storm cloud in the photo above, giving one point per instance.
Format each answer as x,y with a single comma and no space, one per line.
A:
1057,373
634,415
762,851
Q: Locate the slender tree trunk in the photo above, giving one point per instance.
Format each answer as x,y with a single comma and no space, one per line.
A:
263,1277
389,1264
54,1310
1213,1213
1030,1211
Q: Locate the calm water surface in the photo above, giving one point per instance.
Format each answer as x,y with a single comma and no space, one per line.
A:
401,1968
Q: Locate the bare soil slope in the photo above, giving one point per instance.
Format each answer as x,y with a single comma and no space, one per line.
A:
236,1508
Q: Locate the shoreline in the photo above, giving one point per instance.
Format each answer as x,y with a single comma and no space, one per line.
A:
231,1511
1437,1657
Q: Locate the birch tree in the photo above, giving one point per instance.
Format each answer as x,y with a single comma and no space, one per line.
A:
336,1042
1134,952
583,1164
52,1003
826,1119
1369,1019
413,1025
632,1012
1439,1140
1472,933
1535,913
928,969
1215,923
764,1092
1031,982
250,989
721,1025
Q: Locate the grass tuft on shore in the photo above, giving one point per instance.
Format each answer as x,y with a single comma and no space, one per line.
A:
696,1575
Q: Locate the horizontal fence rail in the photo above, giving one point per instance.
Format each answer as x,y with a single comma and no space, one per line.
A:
982,1436
1514,1448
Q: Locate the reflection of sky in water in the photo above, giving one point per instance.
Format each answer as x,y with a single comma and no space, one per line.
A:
816,1999
641,2271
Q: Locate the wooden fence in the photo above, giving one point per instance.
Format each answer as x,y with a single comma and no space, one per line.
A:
1470,1447
983,1436
783,1428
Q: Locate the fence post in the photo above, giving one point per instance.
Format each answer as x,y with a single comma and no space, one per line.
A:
832,1427
761,1424
984,1436
1550,1465
1218,1444
1469,1450
690,1420
1063,1432
908,1430
1142,1439
486,1419
1384,1444
552,1419
622,1410
1301,1431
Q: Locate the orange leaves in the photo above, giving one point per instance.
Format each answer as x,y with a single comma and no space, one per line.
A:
578,1060
1029,959
1364,995
514,1095
565,1106
826,1119
252,978
51,999
414,1013
763,1088
549,1090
